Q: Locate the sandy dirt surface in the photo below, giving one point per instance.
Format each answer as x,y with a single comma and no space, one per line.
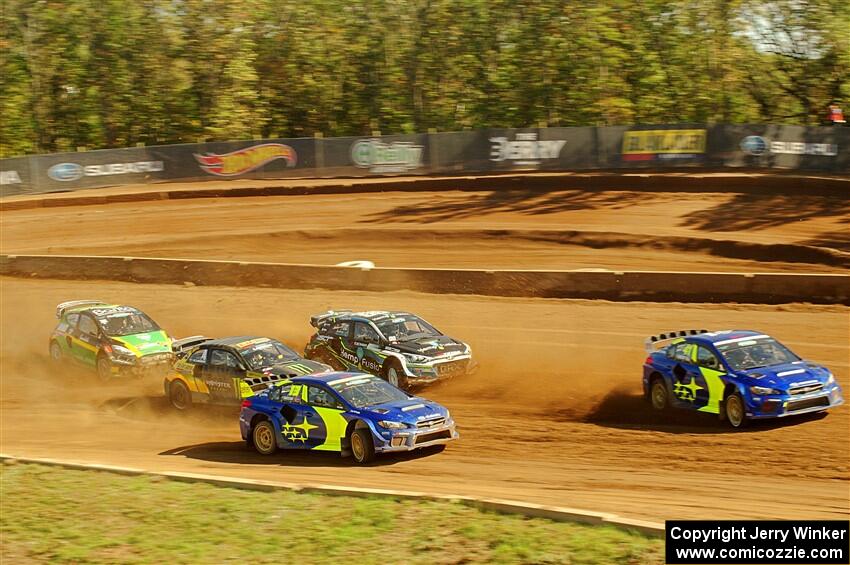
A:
617,230
554,416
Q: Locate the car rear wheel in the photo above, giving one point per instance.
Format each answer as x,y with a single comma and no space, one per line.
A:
395,375
362,446
55,352
658,394
104,369
264,438
734,410
179,396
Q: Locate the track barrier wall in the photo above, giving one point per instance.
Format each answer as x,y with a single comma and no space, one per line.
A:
657,286
661,147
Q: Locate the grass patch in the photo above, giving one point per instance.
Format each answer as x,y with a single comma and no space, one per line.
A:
61,515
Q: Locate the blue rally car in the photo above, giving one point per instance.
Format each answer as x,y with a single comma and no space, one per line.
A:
353,413
738,375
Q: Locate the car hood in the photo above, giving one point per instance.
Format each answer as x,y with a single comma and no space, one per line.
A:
409,411
434,346
294,367
787,375
145,343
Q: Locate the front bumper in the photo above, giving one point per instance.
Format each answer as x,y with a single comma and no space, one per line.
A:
779,406
440,370
389,441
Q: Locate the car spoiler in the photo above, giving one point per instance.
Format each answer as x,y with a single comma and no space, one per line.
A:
653,342
179,346
63,307
259,384
319,318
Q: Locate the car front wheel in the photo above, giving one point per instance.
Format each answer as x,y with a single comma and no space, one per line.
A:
362,446
104,369
734,410
395,376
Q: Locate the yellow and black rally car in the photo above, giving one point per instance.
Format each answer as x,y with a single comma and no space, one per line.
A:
230,369
113,339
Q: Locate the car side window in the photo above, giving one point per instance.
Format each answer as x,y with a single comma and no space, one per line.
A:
292,394
88,326
70,323
199,357
366,333
705,358
683,352
341,329
318,396
222,358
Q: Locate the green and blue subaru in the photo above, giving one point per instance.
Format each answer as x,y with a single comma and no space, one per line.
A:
116,341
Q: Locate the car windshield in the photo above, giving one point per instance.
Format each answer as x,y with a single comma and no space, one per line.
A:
265,352
365,390
403,327
128,322
754,353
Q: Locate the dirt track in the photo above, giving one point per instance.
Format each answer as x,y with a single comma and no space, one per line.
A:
553,417
554,414
619,230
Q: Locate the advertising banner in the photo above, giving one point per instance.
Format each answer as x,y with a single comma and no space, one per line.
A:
261,159
671,146
90,169
459,151
787,147
15,176
369,156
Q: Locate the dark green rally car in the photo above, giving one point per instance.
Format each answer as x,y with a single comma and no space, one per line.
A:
114,340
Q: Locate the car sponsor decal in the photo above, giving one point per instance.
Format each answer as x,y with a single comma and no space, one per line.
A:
297,432
244,160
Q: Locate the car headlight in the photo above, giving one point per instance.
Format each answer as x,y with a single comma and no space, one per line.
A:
448,416
762,390
830,380
390,425
416,358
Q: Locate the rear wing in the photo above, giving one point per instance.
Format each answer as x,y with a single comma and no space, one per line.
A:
181,346
316,320
65,306
249,386
654,342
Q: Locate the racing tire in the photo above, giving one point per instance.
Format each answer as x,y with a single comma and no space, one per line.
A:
362,446
734,411
658,395
179,396
103,367
394,375
263,438
55,352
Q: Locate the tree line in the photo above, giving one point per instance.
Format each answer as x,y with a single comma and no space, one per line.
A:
117,73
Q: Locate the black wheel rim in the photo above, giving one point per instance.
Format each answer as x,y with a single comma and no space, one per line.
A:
178,397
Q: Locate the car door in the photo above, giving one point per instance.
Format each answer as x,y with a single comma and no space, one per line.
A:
329,408
301,426
219,374
688,384
367,343
712,372
68,331
87,340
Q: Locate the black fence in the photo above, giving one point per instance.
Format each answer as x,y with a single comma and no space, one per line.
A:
824,149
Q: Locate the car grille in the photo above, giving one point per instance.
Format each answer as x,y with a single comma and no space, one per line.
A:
425,438
156,358
452,367
805,389
795,405
431,423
